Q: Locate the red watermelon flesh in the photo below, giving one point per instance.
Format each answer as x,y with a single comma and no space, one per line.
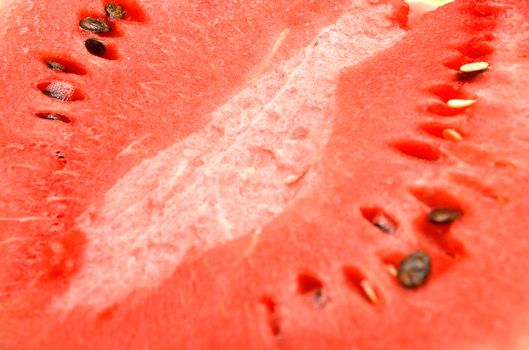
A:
317,276
196,65
230,177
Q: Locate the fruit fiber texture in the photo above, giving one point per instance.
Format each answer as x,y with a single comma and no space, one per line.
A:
271,206
187,96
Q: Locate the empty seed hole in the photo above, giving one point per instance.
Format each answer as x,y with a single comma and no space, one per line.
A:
435,197
52,116
447,92
133,11
312,286
357,282
60,90
456,62
418,150
272,316
308,284
475,184
379,219
476,48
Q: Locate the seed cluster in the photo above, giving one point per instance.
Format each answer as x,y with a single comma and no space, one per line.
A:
414,270
100,26
96,47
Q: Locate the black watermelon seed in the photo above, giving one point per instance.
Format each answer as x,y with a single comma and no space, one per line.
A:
55,94
56,66
414,270
441,216
94,25
95,47
54,116
115,11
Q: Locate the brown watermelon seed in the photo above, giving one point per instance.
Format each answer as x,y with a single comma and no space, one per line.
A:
94,25
471,70
414,270
115,11
54,116
56,66
442,216
95,47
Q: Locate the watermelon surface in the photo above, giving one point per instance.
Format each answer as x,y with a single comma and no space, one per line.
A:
232,195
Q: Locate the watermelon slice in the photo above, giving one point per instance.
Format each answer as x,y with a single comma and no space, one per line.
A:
92,103
398,224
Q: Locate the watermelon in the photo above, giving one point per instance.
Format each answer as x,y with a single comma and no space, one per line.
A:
233,195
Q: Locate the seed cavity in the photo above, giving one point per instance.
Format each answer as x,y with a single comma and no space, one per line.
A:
458,104
60,90
94,25
441,216
115,11
370,292
476,48
59,95
95,47
392,270
418,150
379,219
357,282
63,64
414,270
312,286
56,66
54,116
452,135
272,315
